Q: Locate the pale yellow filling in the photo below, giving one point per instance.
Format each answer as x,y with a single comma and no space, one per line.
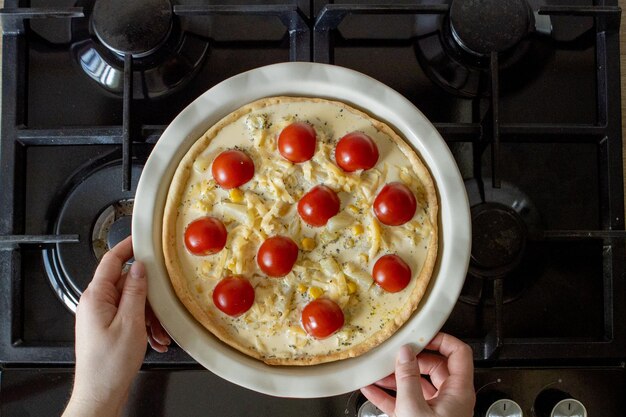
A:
335,261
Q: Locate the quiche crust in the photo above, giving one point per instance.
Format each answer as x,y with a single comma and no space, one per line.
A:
209,319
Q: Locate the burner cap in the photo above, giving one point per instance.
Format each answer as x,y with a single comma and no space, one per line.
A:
112,226
484,26
136,27
498,238
98,211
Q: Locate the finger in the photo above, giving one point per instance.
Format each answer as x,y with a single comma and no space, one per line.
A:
110,267
156,328
385,402
428,389
159,347
435,366
120,284
388,382
133,301
409,398
460,357
459,387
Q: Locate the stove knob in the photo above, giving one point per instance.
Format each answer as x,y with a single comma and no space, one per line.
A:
569,408
556,403
504,408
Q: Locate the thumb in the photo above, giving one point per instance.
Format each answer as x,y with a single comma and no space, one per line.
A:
133,301
409,399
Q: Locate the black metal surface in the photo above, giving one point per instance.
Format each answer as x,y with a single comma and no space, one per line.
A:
599,389
157,72
70,267
190,392
42,391
13,18
126,137
135,28
495,119
291,16
37,240
498,239
540,120
486,26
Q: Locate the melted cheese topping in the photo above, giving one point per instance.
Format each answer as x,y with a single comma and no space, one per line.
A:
335,261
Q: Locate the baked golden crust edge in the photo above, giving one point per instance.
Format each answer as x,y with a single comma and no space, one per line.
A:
179,283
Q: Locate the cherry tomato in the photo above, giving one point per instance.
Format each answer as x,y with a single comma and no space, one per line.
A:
233,295
318,205
391,273
232,168
296,142
205,236
355,151
395,204
277,255
321,318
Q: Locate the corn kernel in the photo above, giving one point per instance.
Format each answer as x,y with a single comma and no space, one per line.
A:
363,258
284,209
236,195
353,209
315,292
351,287
199,288
357,229
349,243
298,330
301,288
308,244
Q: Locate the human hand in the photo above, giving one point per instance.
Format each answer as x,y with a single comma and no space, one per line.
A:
449,393
112,323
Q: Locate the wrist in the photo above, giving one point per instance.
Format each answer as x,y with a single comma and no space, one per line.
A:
88,406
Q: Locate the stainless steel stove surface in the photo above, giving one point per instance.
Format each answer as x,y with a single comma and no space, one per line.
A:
525,93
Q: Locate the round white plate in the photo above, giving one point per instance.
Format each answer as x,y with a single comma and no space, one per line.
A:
314,80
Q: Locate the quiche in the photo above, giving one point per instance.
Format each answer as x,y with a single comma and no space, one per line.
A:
300,230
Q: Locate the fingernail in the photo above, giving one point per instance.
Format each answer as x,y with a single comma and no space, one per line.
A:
137,270
406,354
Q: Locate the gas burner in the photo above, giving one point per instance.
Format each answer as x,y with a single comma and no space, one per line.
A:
502,221
454,50
165,56
510,196
498,240
98,211
137,27
111,227
482,27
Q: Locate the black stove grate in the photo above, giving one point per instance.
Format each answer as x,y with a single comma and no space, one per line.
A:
315,39
489,132
17,137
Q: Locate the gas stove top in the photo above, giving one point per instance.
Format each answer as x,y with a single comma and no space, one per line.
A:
524,92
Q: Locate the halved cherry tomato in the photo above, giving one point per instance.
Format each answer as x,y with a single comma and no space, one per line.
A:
205,236
355,151
296,142
232,168
391,273
318,205
395,204
321,318
277,255
233,295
